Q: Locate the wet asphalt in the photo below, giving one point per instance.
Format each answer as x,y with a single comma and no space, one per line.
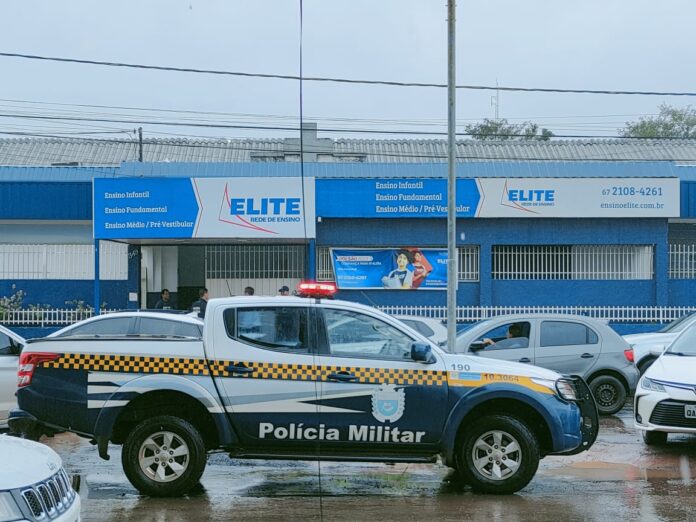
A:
618,479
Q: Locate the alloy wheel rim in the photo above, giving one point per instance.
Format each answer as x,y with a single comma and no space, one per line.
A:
496,455
163,456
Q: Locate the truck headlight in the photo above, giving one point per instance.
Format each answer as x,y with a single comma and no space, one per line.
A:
9,510
649,384
566,389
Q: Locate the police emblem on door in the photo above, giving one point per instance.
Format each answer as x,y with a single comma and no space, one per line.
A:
388,403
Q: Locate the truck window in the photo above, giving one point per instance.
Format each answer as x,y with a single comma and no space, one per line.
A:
275,328
353,334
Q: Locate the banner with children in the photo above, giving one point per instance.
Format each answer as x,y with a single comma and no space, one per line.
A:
406,268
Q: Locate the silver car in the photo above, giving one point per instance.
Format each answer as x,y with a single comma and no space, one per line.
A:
568,344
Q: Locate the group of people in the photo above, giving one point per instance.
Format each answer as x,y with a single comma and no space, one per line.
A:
200,304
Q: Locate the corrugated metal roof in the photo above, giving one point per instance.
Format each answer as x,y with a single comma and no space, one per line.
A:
93,152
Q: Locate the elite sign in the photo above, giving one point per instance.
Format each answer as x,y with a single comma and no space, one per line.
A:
169,208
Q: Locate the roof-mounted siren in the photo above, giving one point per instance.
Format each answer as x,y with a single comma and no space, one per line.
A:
316,290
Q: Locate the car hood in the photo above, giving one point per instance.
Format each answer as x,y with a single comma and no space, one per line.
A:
653,337
673,368
25,462
478,364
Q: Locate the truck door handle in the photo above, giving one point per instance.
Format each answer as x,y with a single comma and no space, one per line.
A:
342,377
587,355
525,360
240,368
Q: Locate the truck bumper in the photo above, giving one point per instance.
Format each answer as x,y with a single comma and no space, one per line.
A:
588,418
25,425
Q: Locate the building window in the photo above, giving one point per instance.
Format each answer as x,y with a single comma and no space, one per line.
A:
682,261
468,267
577,262
254,261
63,261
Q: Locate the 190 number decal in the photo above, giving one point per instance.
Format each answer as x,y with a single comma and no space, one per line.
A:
460,367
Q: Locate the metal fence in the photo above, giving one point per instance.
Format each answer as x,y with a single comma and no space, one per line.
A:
465,314
254,261
613,314
576,262
682,261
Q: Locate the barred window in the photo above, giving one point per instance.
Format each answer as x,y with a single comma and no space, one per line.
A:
682,261
589,262
468,267
254,261
63,261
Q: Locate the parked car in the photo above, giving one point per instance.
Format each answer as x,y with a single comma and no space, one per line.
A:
433,329
645,344
33,483
665,401
568,344
134,323
10,346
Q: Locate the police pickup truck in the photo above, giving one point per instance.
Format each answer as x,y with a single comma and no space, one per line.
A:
301,378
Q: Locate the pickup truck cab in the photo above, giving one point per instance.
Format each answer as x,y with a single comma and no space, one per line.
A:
301,378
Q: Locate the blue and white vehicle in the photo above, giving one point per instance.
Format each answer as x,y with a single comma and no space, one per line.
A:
298,378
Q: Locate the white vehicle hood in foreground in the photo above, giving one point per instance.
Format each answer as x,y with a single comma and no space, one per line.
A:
674,368
23,462
480,364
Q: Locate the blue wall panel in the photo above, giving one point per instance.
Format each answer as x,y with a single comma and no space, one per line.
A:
581,293
682,292
59,201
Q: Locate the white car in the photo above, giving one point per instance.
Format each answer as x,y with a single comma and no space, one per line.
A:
134,323
33,484
10,346
431,328
665,401
646,346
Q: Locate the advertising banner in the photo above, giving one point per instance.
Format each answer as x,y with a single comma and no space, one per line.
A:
163,208
407,268
500,197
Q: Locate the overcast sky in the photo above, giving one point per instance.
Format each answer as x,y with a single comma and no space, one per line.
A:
592,44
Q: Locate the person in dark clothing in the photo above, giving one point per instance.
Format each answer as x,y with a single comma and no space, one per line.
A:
163,303
200,304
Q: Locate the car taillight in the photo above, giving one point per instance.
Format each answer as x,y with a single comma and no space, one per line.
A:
628,352
28,362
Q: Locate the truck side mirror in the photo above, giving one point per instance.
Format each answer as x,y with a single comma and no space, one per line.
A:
477,346
422,352
15,348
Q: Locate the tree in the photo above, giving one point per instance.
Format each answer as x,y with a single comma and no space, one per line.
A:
670,123
502,130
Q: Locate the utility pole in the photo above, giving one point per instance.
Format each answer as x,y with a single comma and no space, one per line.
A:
452,276
140,144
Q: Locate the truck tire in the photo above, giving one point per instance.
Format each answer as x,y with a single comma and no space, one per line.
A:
164,456
609,394
499,454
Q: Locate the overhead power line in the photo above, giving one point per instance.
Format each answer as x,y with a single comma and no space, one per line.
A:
346,80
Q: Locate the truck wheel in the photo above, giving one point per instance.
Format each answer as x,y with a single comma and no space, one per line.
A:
499,454
164,456
609,394
655,438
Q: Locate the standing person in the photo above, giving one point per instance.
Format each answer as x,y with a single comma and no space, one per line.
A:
163,303
249,290
200,304
283,290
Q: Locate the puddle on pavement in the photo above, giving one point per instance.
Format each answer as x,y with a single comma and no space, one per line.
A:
683,470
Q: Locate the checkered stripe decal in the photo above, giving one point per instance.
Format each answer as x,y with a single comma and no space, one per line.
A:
262,370
129,364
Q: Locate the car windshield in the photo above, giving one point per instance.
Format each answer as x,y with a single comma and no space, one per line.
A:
676,326
685,344
468,327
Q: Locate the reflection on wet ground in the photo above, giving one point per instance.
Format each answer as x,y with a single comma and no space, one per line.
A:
619,478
